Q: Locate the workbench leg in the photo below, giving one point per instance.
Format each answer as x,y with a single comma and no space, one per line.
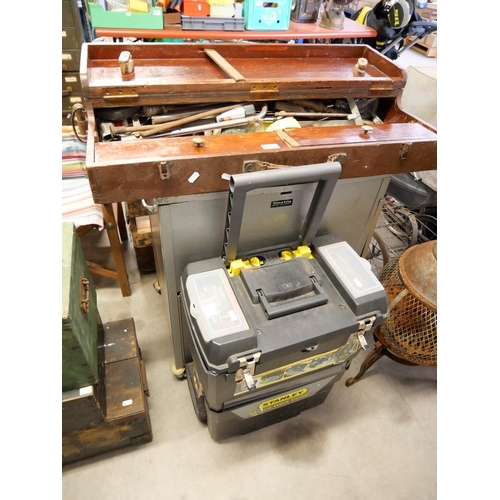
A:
116,249
121,222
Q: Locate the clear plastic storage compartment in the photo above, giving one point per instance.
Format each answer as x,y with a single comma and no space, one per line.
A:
351,269
214,305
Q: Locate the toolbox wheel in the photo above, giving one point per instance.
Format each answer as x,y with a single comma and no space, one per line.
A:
178,372
198,402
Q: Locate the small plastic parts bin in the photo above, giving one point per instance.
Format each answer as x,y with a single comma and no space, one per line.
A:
213,23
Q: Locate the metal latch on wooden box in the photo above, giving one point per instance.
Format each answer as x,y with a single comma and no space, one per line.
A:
247,370
164,169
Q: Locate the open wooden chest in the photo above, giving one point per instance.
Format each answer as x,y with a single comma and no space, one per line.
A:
341,103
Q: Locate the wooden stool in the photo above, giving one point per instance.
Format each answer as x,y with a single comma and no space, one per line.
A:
73,157
120,273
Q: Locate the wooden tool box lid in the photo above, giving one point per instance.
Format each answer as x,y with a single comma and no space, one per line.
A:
194,72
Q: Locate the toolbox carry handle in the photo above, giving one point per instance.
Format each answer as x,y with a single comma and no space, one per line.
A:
285,307
325,174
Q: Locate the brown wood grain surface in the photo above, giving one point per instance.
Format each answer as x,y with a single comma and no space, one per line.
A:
121,341
171,74
129,171
126,421
167,73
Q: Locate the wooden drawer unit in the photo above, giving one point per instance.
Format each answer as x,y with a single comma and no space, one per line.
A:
79,315
71,60
71,90
67,13
72,38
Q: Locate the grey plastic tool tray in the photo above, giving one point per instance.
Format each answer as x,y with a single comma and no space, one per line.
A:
213,23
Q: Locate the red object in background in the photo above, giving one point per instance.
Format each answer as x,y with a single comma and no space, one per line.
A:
195,8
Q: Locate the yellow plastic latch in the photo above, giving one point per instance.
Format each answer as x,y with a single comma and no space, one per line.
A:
255,261
235,267
286,255
303,251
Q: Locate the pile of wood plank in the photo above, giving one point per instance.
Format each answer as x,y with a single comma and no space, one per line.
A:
426,46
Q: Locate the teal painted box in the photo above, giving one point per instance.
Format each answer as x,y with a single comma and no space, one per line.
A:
267,16
80,317
101,18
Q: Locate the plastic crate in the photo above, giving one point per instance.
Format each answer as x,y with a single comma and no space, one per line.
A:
101,18
267,15
195,8
213,23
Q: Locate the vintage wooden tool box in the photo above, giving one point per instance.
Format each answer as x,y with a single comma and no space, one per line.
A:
157,133
124,418
160,77
86,406
79,315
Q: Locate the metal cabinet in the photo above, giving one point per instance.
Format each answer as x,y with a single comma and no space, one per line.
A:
72,39
351,213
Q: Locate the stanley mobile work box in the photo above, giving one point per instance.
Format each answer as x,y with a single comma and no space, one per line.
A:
185,184
273,329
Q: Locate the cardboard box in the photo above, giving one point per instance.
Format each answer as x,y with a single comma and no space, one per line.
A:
430,40
171,18
363,3
429,13
426,46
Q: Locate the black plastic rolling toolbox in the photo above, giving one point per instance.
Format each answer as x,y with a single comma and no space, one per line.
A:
272,329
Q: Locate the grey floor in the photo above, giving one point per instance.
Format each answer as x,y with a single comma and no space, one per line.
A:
374,440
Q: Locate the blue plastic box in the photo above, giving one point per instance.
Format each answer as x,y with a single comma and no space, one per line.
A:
267,15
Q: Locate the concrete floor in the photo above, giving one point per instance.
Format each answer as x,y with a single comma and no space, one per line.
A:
374,440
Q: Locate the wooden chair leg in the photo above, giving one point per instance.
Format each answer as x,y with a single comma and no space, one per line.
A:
116,249
377,352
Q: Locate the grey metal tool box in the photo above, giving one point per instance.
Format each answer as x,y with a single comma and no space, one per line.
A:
272,329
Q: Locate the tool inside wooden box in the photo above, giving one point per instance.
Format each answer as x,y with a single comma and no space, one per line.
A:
151,91
144,122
